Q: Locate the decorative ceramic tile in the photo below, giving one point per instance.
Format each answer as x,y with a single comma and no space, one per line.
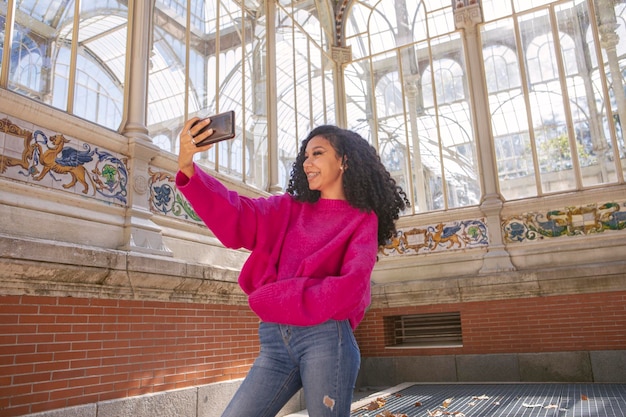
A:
165,198
53,160
569,221
439,237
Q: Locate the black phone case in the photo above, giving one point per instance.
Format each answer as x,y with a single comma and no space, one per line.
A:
223,126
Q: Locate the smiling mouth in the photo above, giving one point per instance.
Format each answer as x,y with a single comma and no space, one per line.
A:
311,175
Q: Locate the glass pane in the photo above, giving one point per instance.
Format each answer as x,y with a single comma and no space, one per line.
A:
508,107
356,29
257,140
523,5
418,116
3,34
166,77
41,66
382,28
440,21
590,152
392,133
456,184
101,65
29,54
496,9
546,102
359,100
223,73
46,11
305,94
555,122
608,79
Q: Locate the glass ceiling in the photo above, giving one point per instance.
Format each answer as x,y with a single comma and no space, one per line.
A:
406,84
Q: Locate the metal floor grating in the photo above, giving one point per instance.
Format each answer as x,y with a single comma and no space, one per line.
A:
496,400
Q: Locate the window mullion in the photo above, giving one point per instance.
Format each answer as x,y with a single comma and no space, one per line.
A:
8,42
71,87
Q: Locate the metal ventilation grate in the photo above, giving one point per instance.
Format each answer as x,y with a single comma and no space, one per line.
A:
428,330
500,400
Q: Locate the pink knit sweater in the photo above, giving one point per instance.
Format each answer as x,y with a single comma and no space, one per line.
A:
309,262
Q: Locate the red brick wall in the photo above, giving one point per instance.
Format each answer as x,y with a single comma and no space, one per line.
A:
57,352
541,324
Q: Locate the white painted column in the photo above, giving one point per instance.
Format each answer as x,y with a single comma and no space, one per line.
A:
609,39
467,17
270,97
141,234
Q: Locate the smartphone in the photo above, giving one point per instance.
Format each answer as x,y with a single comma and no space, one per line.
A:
223,126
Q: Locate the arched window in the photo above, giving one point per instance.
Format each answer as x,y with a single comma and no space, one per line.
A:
552,133
97,97
406,92
27,64
448,82
501,68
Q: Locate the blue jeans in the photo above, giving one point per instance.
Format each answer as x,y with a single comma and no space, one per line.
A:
322,359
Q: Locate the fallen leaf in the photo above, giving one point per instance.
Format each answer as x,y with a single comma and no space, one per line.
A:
482,397
532,405
375,405
583,397
551,406
446,402
387,413
372,406
418,404
435,413
496,403
472,404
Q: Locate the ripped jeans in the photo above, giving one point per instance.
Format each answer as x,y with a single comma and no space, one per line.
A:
322,359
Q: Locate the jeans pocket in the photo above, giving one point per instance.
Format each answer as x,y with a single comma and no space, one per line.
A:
348,334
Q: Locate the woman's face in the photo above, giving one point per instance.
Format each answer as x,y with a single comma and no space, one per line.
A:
323,168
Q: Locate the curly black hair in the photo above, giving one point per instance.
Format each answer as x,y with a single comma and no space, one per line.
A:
367,183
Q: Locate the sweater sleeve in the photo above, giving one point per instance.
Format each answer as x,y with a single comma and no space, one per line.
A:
306,300
234,219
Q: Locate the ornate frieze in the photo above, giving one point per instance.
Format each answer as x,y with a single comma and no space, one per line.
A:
439,237
567,221
54,160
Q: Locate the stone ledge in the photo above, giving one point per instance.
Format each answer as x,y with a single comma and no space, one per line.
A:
203,401
605,366
576,279
30,266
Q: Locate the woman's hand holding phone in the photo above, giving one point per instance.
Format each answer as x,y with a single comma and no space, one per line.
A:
222,125
200,135
187,142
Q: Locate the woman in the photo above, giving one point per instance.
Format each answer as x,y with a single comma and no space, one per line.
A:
308,274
